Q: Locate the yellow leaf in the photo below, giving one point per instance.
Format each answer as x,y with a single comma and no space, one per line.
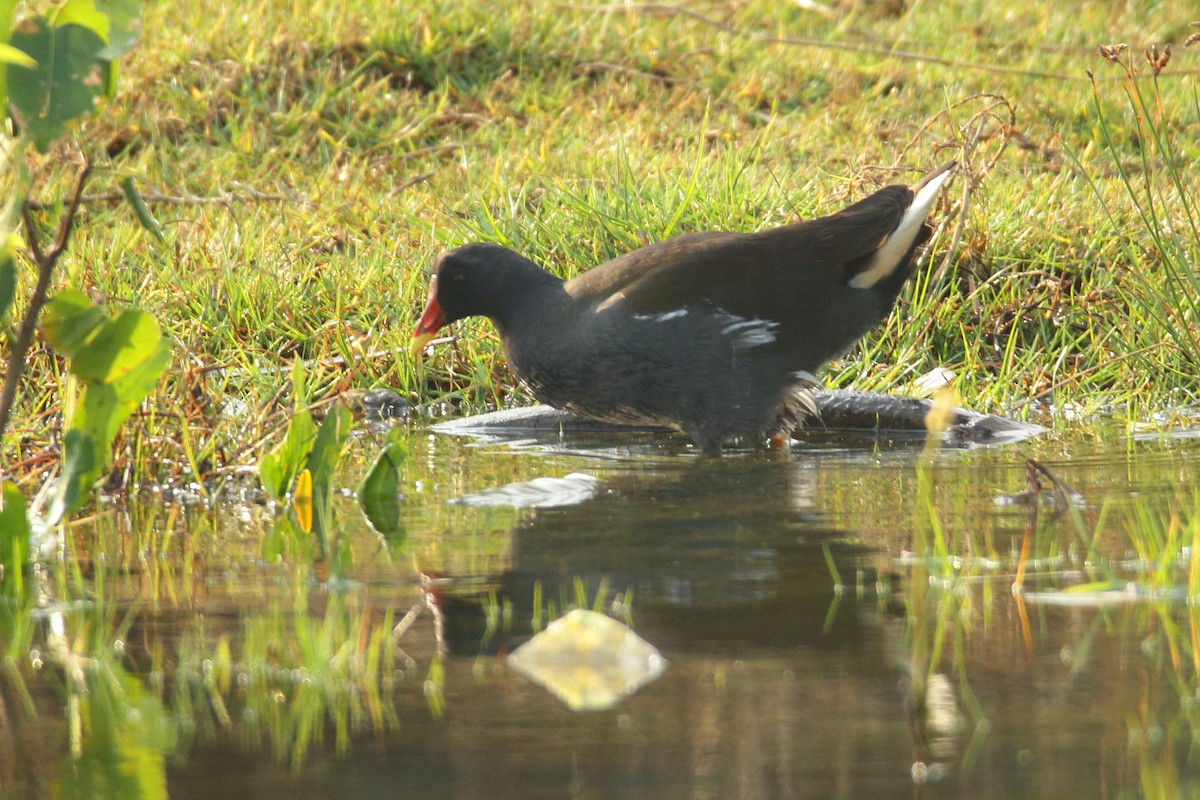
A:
303,501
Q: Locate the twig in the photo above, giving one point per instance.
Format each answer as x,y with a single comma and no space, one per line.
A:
45,260
669,10
246,193
590,67
413,181
965,207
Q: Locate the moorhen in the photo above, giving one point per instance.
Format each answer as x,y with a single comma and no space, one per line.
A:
715,334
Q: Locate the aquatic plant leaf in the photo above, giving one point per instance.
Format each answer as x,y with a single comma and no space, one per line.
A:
379,492
128,736
323,460
14,540
537,493
282,532
79,470
327,447
102,409
588,660
302,500
280,467
119,362
66,83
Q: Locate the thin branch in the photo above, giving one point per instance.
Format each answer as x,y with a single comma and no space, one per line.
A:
45,260
68,220
669,10
413,181
592,67
227,199
35,246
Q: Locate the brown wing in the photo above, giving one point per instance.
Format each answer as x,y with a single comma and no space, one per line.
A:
752,275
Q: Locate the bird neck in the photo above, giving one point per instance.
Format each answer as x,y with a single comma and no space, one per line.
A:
535,297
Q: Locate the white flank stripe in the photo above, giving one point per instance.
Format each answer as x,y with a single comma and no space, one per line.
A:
748,333
664,317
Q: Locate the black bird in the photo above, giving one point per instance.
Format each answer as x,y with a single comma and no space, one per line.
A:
715,334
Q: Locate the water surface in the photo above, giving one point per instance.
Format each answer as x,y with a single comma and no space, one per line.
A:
839,621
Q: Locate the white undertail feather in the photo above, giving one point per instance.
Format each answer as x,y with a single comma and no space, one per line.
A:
747,333
896,245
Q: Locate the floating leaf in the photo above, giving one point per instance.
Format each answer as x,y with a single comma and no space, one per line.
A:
14,539
66,83
379,492
588,660
537,493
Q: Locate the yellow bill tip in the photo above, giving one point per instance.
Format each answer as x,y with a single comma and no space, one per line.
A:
416,347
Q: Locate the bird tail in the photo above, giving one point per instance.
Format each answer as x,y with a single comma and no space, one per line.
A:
900,242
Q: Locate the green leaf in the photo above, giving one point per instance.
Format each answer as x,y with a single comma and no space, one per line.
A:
79,473
8,284
11,55
327,449
84,13
102,410
69,320
117,22
140,209
117,346
119,362
278,469
14,540
125,26
6,14
66,83
272,544
271,472
106,405
379,492
323,460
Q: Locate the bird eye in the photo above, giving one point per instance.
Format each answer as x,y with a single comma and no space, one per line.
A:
457,277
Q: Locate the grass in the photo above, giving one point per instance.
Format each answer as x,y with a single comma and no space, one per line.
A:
309,164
